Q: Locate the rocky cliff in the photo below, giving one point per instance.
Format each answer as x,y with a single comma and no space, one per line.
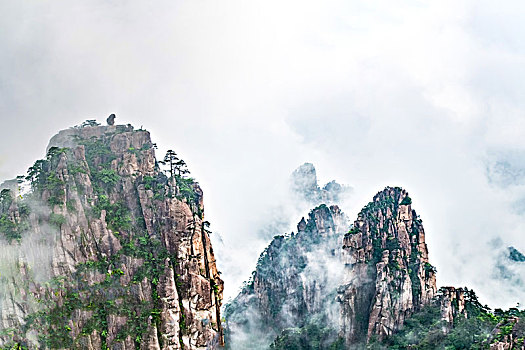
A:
377,277
293,285
455,319
305,187
388,275
498,330
106,251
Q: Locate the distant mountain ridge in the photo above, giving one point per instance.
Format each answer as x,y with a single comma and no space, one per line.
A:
383,294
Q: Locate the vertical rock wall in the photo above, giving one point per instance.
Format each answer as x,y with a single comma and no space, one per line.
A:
294,283
131,263
388,276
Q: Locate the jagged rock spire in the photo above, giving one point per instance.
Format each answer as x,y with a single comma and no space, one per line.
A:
388,275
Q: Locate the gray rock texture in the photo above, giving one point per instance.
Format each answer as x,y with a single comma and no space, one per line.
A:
388,276
108,252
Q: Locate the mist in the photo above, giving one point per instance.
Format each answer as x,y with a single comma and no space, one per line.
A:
305,264
426,96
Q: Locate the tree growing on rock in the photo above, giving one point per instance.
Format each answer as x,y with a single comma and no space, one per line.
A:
5,199
181,168
89,123
170,159
177,166
34,173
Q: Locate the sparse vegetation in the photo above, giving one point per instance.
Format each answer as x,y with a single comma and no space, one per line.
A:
310,337
106,283
426,329
107,177
87,123
57,220
12,226
406,201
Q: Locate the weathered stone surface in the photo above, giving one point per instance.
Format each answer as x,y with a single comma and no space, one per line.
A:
294,283
388,276
511,340
452,302
121,236
383,274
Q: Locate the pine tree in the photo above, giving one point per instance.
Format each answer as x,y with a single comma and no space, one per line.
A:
171,159
181,168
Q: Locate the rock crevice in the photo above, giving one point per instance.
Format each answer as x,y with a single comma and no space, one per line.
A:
131,267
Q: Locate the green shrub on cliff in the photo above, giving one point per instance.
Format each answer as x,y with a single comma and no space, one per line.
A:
426,329
406,201
310,337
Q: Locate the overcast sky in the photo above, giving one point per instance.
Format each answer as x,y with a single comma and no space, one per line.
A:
429,96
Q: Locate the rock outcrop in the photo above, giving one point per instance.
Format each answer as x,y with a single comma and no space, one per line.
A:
388,275
294,283
379,268
452,304
385,288
305,186
509,334
107,251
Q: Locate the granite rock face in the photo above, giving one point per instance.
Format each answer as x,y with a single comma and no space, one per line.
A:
510,340
380,269
388,275
382,295
107,251
294,283
508,333
305,186
452,304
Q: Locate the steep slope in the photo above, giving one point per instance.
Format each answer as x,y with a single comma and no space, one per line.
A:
290,286
387,275
305,186
106,251
377,289
373,277
455,319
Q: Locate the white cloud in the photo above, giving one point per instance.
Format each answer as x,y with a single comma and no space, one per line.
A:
374,93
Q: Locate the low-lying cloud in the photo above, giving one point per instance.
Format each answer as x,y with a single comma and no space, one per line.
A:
373,93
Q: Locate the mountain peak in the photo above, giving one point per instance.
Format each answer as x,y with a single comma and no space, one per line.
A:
128,262
69,137
304,184
393,194
304,180
389,276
